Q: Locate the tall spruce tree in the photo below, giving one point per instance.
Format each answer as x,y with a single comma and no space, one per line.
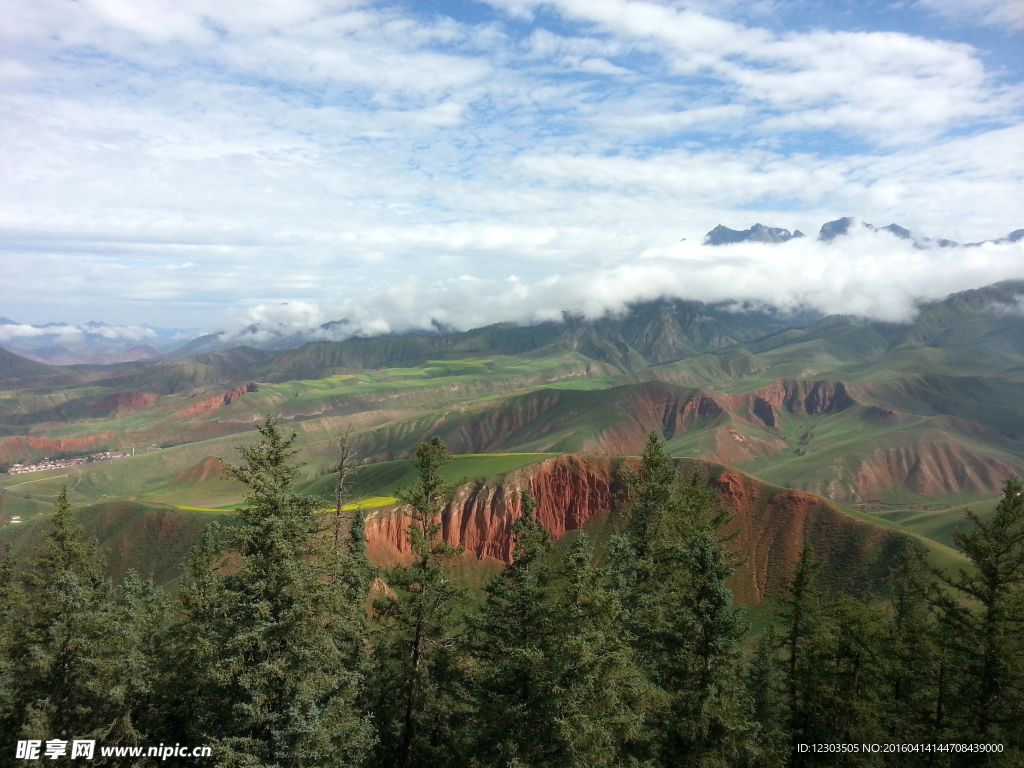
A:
802,616
512,641
84,651
419,688
137,626
916,660
61,688
983,629
670,570
602,697
770,748
835,671
12,617
274,623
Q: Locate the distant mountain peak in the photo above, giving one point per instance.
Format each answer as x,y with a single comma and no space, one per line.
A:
759,233
900,232
833,229
830,230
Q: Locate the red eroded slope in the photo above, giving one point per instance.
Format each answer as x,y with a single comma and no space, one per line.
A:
124,403
770,524
33,448
617,421
730,447
210,468
212,403
935,465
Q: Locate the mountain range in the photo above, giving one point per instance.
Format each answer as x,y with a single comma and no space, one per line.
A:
836,429
759,233
96,343
863,412
91,343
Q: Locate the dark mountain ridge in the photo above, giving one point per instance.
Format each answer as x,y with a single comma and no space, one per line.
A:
722,235
758,233
648,334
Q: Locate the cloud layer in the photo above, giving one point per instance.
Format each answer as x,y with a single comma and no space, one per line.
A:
868,274
67,334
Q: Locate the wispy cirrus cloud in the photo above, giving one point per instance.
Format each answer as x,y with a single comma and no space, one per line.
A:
996,13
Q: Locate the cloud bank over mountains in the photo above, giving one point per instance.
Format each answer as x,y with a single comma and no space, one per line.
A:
174,162
869,273
64,333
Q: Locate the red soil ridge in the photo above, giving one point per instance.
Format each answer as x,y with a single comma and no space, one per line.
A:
210,468
31,448
215,402
124,403
795,396
770,524
935,466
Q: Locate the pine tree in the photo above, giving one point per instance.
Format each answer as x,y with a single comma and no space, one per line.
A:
512,641
419,691
670,571
188,700
801,617
988,640
84,654
764,684
602,696
835,670
60,693
136,630
278,630
12,618
916,659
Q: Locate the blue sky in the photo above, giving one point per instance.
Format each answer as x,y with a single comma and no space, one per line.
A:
194,164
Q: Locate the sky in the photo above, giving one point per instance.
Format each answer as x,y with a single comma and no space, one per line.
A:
398,165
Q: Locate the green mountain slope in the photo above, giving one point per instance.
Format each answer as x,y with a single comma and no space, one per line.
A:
865,413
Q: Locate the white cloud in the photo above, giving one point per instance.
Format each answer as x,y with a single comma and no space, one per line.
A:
304,151
868,274
996,13
67,333
893,87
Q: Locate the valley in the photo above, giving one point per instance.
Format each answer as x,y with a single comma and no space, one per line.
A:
848,433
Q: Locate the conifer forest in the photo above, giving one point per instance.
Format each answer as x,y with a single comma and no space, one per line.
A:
283,645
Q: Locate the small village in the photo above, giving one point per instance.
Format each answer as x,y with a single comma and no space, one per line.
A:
45,464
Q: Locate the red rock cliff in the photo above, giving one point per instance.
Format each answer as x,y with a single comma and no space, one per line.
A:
30,448
211,403
770,524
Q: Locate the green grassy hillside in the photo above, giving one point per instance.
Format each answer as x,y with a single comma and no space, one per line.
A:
153,537
939,524
930,412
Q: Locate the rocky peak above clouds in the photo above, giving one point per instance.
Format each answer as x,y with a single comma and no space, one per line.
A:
722,235
758,233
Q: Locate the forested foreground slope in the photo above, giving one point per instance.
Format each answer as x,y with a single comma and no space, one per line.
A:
609,637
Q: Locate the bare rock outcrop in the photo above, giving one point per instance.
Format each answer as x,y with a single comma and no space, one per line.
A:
212,403
769,524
